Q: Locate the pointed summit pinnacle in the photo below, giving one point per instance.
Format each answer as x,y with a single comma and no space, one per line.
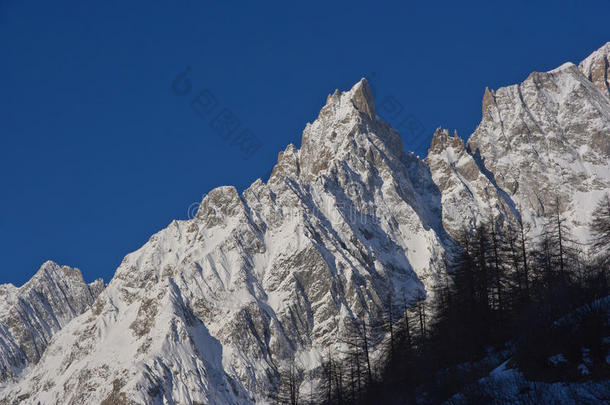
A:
443,140
359,98
362,97
489,98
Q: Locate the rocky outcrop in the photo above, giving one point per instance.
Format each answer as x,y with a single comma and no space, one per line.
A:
545,138
32,314
469,195
596,67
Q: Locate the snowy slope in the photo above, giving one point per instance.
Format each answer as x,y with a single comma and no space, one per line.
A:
508,383
30,315
546,137
469,194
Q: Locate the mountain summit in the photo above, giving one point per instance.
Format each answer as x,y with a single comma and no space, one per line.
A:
211,309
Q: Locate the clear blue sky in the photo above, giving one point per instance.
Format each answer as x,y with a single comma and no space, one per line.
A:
98,152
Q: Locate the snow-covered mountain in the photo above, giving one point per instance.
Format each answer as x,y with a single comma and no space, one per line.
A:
548,137
544,138
469,194
32,314
209,308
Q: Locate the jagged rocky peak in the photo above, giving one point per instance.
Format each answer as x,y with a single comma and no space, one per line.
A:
596,67
548,136
287,163
442,140
468,195
347,128
553,108
562,103
218,204
51,275
360,96
31,314
51,271
488,99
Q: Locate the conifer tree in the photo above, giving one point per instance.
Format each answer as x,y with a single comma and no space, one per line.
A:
600,226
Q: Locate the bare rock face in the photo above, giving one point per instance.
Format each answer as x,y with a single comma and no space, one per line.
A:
363,99
32,314
596,68
347,224
548,137
469,194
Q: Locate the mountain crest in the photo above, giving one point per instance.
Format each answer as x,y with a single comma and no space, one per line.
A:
596,67
362,97
359,96
31,314
442,140
347,128
488,99
219,204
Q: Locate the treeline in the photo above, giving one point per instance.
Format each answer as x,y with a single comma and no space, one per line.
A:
505,293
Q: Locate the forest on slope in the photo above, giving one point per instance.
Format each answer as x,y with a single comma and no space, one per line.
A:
538,305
